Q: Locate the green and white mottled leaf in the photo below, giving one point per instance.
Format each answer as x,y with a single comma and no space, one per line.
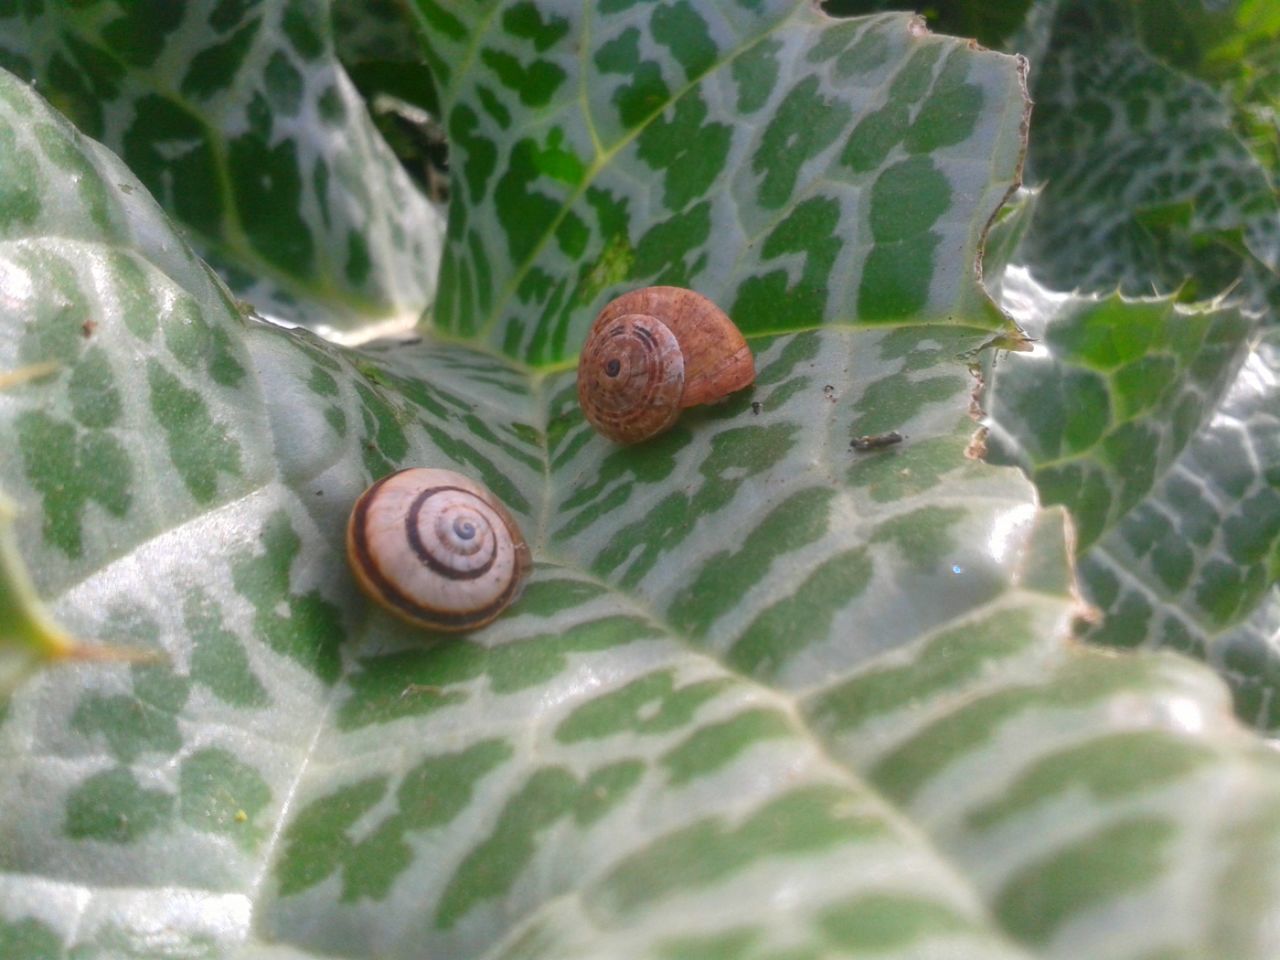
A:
1251,62
1153,423
1233,45
764,696
1158,426
795,168
238,118
1101,408
1148,187
375,31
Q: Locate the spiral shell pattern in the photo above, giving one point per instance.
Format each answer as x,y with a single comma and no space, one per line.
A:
436,549
631,377
652,352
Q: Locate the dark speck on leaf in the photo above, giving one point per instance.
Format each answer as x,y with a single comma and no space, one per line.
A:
829,392
876,441
756,407
88,327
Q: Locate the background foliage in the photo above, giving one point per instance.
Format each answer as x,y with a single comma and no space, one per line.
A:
764,696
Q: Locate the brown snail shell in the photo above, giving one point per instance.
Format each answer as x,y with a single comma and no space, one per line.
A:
436,549
651,353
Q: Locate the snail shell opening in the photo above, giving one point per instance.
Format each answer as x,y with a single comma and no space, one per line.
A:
631,377
436,549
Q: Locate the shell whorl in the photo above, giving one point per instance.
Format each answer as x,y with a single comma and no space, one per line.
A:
436,549
694,354
631,377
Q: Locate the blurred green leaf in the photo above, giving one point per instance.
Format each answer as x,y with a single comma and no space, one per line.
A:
240,121
1147,186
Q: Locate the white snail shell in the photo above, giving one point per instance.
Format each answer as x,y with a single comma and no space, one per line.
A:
436,549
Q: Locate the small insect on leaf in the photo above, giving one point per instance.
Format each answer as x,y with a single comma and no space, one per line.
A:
875,441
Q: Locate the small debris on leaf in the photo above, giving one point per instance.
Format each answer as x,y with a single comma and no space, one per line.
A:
875,441
829,392
416,689
88,327
977,447
756,407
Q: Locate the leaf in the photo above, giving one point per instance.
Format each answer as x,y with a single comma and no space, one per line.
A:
374,31
1149,188
1148,420
794,168
1232,46
1214,595
1156,425
239,120
29,637
762,695
990,24
1107,401
1004,239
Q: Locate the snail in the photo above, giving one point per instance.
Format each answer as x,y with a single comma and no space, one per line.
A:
651,353
436,549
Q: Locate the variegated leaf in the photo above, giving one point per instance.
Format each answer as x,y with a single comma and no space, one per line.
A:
1157,426
1149,187
238,118
1153,423
795,168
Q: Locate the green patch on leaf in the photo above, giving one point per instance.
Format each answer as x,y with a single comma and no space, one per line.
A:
711,747
316,842
1122,858
28,939
218,793
711,851
303,626
113,807
652,704
883,922
492,867
1105,768
219,661
72,469
782,630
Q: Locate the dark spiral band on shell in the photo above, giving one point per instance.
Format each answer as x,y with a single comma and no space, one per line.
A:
359,526
631,376
423,553
378,585
622,405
